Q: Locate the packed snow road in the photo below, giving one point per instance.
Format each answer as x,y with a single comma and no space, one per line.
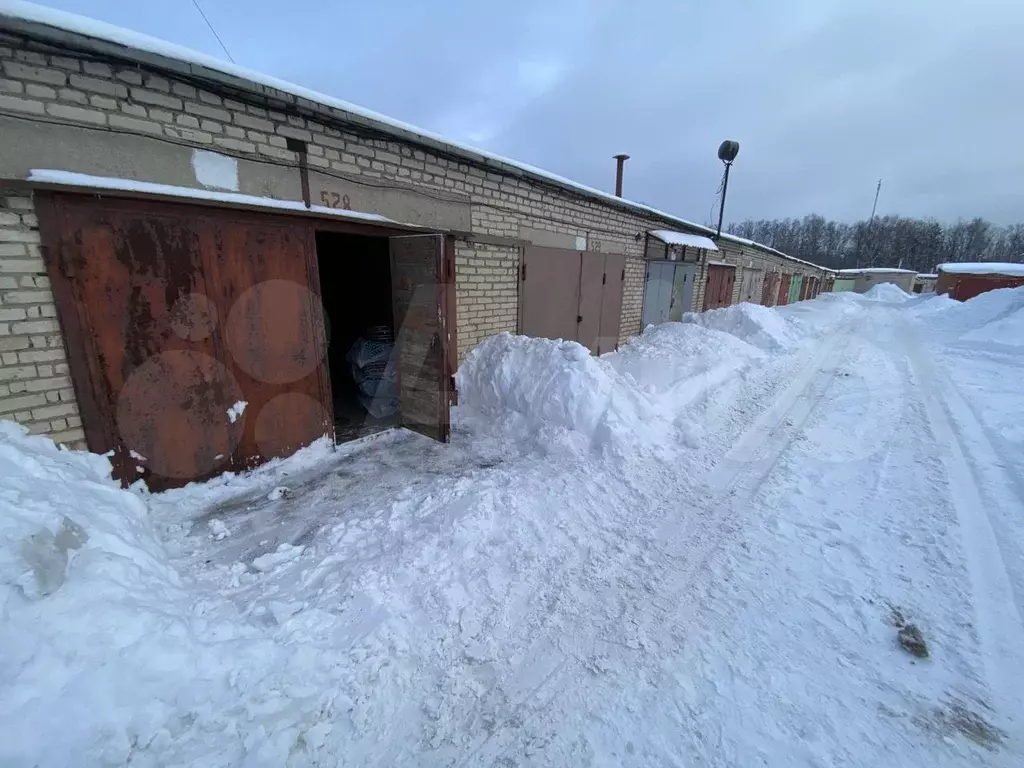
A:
700,550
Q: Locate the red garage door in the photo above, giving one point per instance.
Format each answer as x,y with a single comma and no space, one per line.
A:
196,336
718,292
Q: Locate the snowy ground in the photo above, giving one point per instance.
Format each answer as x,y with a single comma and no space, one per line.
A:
696,551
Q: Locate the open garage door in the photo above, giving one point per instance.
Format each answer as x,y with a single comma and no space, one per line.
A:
421,273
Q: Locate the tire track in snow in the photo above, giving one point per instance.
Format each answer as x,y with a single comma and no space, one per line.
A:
525,712
740,474
996,604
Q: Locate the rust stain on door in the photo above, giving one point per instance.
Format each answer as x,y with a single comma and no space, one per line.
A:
162,306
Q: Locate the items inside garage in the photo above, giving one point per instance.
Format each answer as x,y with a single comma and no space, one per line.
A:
355,286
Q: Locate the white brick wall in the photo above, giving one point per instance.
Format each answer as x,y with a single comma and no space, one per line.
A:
35,386
487,292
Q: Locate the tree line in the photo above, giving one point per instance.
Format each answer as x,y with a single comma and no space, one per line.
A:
887,241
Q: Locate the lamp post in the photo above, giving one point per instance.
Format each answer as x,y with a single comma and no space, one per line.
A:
727,152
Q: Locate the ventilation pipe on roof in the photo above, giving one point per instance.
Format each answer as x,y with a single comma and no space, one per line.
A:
620,160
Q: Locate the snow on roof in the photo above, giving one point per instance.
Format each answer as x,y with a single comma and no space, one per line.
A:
684,238
205,66
876,271
70,179
983,268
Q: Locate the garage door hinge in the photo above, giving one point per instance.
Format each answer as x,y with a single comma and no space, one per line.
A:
604,278
623,273
579,319
523,270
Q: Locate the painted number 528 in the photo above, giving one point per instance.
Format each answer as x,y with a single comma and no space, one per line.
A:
334,200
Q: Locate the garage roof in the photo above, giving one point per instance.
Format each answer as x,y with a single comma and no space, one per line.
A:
671,237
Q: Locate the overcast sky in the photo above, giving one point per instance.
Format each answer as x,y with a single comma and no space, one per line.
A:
825,97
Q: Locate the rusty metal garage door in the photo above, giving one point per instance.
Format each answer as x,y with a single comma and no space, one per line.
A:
718,292
572,295
784,286
174,314
770,291
421,271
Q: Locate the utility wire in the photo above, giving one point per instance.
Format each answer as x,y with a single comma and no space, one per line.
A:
224,47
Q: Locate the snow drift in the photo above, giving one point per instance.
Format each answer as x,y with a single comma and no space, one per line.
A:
995,316
557,392
539,384
760,326
889,293
84,582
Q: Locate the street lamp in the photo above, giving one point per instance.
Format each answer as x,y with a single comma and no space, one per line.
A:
727,152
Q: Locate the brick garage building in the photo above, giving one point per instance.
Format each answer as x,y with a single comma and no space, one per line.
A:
186,164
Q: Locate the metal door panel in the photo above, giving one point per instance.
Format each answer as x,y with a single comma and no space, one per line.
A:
611,303
419,275
266,286
682,290
588,319
784,285
550,285
657,292
146,294
770,290
720,281
795,286
748,285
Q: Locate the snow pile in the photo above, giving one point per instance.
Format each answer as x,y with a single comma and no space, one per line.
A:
980,312
556,392
84,582
673,356
1006,330
887,292
760,326
530,385
927,303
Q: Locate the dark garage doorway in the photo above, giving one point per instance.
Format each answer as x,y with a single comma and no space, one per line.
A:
356,288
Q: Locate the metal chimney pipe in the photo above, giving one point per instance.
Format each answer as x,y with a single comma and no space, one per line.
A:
619,162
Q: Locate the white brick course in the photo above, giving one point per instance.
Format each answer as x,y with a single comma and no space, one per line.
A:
33,365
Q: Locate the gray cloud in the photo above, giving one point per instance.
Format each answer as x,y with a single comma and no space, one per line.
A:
824,97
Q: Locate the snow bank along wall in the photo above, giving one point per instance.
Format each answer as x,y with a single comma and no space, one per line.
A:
97,284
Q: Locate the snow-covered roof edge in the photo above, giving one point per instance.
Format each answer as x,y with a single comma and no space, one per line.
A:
41,22
72,179
688,239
